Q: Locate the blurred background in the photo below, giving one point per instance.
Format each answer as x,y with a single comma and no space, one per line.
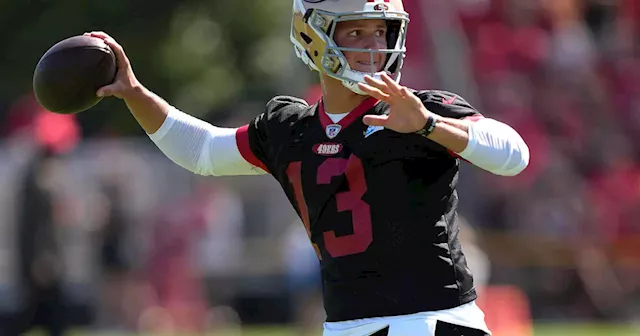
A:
99,232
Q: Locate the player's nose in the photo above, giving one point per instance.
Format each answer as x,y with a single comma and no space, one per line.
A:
373,42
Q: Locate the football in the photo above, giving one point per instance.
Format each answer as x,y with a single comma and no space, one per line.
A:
68,75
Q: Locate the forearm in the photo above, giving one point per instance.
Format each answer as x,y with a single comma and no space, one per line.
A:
149,109
189,142
452,134
487,143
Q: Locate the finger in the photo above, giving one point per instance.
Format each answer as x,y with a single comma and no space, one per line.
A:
121,58
374,92
393,86
406,93
98,34
375,120
107,90
376,83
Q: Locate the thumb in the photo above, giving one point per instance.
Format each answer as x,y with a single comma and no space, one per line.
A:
106,91
375,120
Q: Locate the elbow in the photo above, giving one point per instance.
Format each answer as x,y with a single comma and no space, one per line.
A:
193,168
512,172
496,148
211,172
205,172
518,160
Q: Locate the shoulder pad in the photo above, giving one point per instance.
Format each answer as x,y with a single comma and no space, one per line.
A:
279,102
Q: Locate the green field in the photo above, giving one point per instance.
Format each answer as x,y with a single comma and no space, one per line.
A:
584,330
540,330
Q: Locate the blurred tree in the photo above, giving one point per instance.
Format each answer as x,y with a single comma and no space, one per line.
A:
202,55
220,52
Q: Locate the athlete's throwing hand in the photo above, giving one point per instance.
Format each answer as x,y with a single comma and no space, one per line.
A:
407,113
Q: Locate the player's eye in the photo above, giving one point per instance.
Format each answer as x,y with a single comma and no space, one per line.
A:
381,32
354,33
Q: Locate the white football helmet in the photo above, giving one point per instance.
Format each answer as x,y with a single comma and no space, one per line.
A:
313,26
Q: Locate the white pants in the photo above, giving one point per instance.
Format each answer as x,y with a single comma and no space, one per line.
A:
424,323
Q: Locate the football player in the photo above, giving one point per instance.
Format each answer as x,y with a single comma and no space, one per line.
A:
371,168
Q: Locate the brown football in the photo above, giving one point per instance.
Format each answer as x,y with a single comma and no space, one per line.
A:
69,74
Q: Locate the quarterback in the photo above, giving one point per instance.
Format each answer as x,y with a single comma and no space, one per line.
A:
371,168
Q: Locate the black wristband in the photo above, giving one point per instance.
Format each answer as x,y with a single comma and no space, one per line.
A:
429,126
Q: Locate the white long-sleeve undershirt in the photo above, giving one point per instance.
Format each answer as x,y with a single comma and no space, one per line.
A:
496,147
200,147
210,150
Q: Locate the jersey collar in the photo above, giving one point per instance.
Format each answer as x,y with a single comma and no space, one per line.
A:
361,109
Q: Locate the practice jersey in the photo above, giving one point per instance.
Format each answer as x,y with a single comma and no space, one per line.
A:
379,206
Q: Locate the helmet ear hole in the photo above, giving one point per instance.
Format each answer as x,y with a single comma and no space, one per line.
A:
306,38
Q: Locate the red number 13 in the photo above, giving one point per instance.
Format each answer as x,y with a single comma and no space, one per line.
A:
350,200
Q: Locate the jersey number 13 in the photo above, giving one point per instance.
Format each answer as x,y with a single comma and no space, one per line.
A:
350,200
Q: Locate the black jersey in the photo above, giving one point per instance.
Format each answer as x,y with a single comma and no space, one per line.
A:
379,206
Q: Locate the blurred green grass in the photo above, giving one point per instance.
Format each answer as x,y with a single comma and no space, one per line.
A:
562,329
541,329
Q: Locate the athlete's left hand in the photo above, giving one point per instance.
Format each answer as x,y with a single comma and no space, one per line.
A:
407,113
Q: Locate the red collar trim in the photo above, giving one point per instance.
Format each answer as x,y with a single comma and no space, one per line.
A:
361,109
